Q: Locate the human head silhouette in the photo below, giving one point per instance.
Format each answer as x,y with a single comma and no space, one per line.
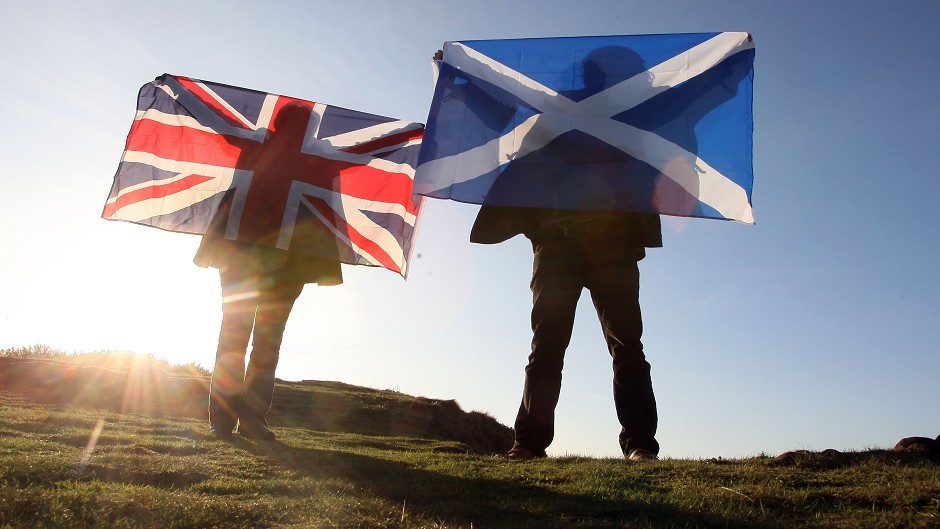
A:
291,120
606,66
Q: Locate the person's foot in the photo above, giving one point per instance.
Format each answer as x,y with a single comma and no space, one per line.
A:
255,430
640,454
221,429
521,453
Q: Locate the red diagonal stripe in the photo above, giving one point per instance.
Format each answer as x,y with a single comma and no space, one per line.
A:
360,240
154,191
210,101
385,141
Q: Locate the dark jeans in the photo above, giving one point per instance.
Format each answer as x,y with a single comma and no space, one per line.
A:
563,268
249,303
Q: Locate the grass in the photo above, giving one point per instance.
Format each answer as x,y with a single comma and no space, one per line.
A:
145,471
350,457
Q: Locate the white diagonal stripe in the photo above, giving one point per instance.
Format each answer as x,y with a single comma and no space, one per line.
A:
267,111
313,126
665,75
355,137
394,147
331,146
238,115
173,120
222,178
560,114
228,178
325,150
692,173
349,208
209,117
612,101
499,75
176,166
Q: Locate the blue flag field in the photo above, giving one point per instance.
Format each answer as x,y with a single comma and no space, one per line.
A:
646,123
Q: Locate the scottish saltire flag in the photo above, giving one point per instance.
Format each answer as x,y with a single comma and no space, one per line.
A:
286,164
646,123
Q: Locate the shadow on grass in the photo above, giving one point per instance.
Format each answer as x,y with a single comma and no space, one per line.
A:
516,502
339,407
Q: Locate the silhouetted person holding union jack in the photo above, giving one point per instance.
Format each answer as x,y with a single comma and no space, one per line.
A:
259,286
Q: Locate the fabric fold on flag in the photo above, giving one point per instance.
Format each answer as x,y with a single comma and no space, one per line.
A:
644,123
293,169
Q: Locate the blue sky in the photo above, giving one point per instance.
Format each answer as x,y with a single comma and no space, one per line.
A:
816,328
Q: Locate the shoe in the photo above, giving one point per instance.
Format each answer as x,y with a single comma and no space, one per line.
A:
255,430
521,453
640,454
221,429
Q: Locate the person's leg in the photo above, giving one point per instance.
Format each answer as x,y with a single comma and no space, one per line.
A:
556,288
273,311
615,289
228,374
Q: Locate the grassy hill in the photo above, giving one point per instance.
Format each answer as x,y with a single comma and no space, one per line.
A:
139,384
96,447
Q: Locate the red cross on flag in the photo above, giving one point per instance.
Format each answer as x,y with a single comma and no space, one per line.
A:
287,163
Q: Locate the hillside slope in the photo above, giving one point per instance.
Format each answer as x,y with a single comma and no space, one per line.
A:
315,405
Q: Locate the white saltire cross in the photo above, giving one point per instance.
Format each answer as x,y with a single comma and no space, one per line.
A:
558,114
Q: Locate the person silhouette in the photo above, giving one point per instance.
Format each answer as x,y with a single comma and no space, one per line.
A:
594,248
260,283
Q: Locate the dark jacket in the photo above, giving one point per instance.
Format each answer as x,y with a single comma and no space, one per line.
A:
255,259
495,224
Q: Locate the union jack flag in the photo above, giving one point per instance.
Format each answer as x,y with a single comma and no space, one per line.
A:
287,163
647,123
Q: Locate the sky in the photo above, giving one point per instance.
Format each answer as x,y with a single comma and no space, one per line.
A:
815,328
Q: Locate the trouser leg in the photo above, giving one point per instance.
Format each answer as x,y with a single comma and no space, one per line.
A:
273,310
615,292
555,293
228,373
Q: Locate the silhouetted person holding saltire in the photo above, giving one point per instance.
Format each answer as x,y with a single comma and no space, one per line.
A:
576,250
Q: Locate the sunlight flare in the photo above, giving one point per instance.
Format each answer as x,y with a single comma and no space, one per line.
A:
92,443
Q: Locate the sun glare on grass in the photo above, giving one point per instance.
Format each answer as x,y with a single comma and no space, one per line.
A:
131,383
92,443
